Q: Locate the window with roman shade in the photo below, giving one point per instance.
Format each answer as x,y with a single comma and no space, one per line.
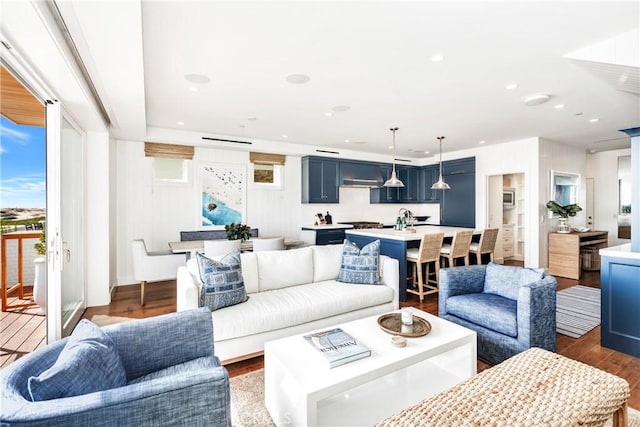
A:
170,161
267,168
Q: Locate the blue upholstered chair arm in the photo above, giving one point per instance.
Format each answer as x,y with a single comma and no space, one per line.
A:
537,313
155,343
459,281
162,401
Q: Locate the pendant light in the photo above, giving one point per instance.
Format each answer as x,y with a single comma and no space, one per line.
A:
393,181
440,184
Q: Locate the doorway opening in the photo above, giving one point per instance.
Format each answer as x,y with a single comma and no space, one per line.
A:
507,212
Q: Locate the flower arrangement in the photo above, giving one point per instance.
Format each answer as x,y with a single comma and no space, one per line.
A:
237,231
564,211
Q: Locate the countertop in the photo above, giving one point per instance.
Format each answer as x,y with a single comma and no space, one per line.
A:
326,226
389,233
621,251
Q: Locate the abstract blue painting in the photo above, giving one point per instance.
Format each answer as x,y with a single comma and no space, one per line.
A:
222,195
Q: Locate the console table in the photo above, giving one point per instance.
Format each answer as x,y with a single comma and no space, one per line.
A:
564,251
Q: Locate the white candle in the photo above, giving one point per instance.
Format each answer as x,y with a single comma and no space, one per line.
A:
406,316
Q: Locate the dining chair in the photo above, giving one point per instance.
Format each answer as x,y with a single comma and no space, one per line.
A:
153,266
459,248
220,247
268,244
486,245
427,253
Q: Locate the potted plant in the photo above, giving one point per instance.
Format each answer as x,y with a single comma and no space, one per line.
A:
238,231
40,275
564,212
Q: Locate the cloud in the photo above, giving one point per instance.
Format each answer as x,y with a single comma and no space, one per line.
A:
28,187
2,149
14,135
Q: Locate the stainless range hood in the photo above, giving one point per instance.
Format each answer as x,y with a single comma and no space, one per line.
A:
361,182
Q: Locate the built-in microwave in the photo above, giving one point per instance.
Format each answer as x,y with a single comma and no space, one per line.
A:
509,198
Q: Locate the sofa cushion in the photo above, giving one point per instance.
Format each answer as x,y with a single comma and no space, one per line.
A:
360,266
281,269
249,265
505,280
185,367
488,310
89,362
222,281
326,262
295,305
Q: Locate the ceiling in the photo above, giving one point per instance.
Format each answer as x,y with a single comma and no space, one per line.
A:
17,103
374,58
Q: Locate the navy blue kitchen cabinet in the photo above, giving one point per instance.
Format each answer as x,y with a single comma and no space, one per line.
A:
428,176
458,204
331,236
320,180
409,177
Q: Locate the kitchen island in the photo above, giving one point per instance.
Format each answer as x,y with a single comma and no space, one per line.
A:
395,243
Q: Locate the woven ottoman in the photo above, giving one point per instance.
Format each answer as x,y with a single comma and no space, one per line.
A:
533,388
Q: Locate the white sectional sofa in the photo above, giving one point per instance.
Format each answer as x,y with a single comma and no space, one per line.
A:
290,292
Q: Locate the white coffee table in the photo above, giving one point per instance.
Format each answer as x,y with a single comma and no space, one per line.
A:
301,389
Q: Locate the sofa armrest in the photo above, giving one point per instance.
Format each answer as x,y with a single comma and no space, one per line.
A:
185,398
151,344
389,276
459,281
537,313
187,290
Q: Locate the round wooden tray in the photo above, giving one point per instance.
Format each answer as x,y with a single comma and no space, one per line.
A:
392,323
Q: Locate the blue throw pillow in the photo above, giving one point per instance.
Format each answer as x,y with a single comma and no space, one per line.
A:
505,280
89,362
360,266
222,280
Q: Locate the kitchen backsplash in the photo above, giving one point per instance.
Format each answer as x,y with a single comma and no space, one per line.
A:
354,206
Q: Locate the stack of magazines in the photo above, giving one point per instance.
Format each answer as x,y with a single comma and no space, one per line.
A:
337,346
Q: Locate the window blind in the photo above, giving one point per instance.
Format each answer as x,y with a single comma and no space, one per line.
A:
266,158
173,151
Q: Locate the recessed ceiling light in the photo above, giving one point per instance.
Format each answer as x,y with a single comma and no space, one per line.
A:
426,152
341,108
197,78
511,86
482,142
298,78
536,99
328,114
193,88
594,120
285,136
437,58
592,151
347,141
558,106
180,123
391,147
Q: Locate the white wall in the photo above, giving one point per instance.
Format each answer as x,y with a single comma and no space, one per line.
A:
561,158
603,168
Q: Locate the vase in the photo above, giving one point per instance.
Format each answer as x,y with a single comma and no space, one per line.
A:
40,283
563,226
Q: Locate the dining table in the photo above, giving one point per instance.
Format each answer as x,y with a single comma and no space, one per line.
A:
189,246
394,243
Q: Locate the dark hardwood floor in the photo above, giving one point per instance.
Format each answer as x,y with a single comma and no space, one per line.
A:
161,298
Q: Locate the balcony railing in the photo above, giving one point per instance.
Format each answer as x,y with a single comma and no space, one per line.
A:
18,287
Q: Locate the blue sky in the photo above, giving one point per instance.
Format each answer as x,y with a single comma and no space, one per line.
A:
22,165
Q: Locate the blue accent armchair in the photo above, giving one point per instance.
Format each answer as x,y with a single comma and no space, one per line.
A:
173,379
510,308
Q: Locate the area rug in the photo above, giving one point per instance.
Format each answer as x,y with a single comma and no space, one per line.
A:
248,410
577,310
104,320
247,401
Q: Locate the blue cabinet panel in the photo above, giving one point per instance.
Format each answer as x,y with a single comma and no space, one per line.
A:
428,176
620,304
319,180
458,204
384,194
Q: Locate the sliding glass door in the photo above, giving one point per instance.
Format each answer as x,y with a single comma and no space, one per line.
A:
65,223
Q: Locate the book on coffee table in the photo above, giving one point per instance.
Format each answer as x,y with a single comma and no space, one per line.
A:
337,346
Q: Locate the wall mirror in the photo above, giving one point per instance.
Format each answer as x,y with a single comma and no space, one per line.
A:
624,197
564,188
